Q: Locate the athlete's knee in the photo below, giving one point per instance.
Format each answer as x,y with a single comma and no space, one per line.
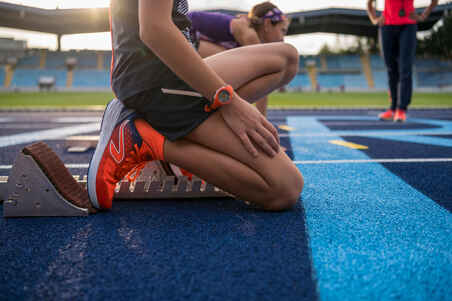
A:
292,62
286,192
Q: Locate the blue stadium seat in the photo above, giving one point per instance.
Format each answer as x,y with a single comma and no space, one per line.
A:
2,76
91,78
377,62
345,62
30,77
330,80
355,81
56,60
87,60
107,61
29,61
434,79
312,58
380,79
351,62
333,62
300,81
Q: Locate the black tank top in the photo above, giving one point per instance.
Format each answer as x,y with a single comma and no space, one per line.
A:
134,68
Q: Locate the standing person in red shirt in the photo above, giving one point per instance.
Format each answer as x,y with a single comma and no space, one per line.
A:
398,36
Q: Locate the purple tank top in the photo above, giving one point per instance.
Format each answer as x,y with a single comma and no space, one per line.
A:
213,27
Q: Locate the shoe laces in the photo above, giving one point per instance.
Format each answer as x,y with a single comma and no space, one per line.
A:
134,160
135,172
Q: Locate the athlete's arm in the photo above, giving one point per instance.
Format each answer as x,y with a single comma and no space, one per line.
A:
161,35
242,33
422,17
372,13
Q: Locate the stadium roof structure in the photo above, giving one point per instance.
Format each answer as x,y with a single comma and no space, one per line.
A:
90,20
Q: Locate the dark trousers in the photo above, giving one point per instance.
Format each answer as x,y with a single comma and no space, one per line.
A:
399,49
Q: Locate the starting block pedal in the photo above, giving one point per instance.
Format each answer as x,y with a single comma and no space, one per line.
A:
40,185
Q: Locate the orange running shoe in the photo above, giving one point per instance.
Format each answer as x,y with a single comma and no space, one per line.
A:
400,116
387,115
119,152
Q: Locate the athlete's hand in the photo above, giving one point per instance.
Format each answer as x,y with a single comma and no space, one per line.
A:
418,18
251,127
379,21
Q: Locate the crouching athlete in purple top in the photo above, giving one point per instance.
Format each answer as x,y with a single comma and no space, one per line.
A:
217,32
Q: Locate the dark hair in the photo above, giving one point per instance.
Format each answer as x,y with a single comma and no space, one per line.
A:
259,11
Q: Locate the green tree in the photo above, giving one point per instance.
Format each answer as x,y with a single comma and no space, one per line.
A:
439,42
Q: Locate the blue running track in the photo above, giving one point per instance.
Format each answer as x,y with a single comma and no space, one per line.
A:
372,223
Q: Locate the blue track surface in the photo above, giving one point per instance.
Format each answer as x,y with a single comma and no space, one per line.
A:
366,227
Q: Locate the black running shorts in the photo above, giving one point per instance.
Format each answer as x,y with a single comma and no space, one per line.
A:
174,110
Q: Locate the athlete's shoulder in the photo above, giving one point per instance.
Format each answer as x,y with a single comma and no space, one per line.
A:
240,25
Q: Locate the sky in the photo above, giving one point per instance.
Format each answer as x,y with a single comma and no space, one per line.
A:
306,43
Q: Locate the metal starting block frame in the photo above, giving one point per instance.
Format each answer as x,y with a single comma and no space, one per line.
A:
28,191
168,188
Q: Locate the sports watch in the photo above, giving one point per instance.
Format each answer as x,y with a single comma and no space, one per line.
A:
222,97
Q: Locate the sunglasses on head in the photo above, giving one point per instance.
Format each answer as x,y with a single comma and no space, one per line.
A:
275,15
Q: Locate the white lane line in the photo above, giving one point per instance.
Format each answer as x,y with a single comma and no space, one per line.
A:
410,160
366,133
70,166
48,134
80,119
35,126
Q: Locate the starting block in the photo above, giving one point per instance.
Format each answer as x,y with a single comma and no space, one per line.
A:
40,185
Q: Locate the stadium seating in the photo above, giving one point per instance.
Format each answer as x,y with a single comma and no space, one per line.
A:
376,62
434,79
380,79
327,81
300,82
107,60
29,61
56,60
30,77
91,78
331,72
355,81
343,62
2,76
87,60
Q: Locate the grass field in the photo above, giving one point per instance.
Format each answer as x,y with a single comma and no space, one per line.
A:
300,100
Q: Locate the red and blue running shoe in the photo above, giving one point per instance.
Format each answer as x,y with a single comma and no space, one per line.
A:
400,116
120,152
386,115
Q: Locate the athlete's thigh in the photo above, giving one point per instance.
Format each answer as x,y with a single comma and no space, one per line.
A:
241,65
216,135
207,49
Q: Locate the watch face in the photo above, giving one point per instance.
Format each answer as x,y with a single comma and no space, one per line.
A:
224,96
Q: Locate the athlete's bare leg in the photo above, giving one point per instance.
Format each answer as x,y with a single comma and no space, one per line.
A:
213,152
207,49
